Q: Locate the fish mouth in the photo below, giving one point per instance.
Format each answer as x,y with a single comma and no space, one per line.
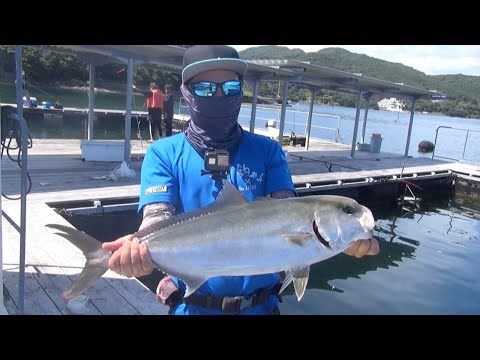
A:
320,237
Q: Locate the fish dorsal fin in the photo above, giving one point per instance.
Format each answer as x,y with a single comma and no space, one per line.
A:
229,197
299,277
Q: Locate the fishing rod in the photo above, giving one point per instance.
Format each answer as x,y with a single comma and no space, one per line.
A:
139,133
41,90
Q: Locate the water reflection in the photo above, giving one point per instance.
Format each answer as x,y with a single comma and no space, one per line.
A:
394,247
427,265
393,250
75,126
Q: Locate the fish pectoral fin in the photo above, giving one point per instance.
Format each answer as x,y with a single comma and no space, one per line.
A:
192,284
297,238
299,277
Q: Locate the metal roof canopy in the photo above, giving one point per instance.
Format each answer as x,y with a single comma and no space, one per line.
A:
170,57
167,57
338,80
317,76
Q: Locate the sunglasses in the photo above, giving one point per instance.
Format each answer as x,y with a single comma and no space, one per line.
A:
209,88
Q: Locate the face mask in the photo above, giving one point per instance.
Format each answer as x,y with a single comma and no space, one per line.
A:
213,122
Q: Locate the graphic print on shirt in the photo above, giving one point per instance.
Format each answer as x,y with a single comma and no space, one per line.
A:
252,179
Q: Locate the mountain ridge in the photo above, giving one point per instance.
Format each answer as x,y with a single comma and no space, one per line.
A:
463,91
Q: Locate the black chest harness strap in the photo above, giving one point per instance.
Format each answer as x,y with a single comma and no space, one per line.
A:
228,304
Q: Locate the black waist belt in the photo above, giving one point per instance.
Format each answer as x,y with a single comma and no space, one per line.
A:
230,304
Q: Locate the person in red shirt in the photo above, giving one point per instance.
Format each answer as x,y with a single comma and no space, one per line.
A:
154,102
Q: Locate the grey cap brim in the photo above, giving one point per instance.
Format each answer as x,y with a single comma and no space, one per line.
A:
237,65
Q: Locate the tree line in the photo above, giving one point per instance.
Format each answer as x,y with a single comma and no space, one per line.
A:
463,92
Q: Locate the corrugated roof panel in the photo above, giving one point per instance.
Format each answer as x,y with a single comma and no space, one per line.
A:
170,58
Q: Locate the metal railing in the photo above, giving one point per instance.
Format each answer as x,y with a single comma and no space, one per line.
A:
302,125
182,107
467,133
23,210
183,110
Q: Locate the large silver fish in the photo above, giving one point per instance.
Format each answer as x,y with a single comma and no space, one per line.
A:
233,236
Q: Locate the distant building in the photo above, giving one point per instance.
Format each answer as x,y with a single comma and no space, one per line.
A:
391,104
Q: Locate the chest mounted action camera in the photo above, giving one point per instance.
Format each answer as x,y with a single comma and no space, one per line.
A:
217,163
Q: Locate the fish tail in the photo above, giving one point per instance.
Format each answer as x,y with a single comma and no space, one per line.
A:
96,264
91,273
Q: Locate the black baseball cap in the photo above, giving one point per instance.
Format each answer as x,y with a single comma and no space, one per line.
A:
200,58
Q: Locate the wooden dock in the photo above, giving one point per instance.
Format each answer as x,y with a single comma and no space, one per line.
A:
58,174
105,113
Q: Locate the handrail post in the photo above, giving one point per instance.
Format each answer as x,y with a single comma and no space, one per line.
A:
309,121
355,127
23,181
127,152
253,113
465,145
410,125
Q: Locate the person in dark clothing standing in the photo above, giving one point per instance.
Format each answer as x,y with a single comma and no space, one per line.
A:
168,103
155,108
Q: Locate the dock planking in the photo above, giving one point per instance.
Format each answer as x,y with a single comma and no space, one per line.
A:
58,174
75,111
52,263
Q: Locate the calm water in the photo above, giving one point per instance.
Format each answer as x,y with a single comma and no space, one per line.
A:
428,264
392,126
75,126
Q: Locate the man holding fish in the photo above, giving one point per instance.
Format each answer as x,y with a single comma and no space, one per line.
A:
174,181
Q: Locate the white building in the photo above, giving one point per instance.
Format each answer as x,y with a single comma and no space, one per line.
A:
391,104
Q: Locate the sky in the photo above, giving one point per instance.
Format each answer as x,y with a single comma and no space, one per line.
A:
430,59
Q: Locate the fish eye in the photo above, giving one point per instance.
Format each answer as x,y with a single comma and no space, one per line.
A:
348,209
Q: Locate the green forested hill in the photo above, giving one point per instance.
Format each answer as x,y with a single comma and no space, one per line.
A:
463,92
271,52
341,59
457,85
